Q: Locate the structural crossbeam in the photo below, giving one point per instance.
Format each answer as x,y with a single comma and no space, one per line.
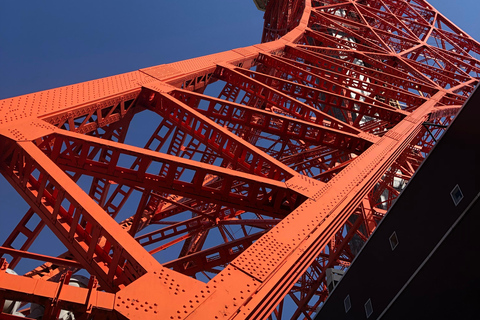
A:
267,165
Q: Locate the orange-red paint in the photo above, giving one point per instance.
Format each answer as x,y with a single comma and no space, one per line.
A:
309,151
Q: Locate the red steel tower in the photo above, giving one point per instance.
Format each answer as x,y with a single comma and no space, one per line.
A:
247,195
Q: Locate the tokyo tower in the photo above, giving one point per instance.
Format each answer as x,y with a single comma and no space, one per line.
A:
267,169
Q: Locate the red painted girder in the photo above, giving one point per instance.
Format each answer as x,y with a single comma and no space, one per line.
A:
410,65
282,16
84,119
439,74
452,99
387,180
369,30
187,226
456,31
159,207
212,257
51,271
301,155
147,146
116,132
281,100
265,196
364,36
48,269
388,84
23,229
41,257
195,225
463,44
70,102
19,164
239,152
327,92
355,23
134,226
269,122
347,80
397,43
310,227
258,223
174,205
100,188
315,38
376,68
196,243
441,112
332,258
389,19
157,148
451,63
117,199
56,296
325,158
393,136
328,174
464,90
322,162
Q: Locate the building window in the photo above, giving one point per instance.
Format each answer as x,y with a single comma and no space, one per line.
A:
347,304
393,240
457,195
368,308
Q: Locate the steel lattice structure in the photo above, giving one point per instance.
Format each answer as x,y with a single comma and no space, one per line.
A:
258,189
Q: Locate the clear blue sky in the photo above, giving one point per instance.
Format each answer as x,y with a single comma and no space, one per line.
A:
46,44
